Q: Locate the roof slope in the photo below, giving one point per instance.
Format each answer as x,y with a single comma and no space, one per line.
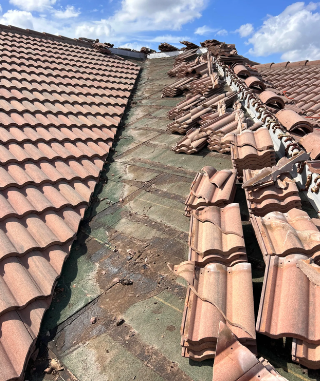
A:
60,104
298,81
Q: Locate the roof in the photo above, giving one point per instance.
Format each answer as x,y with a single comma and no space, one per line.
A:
300,231
234,361
61,103
211,187
288,304
298,81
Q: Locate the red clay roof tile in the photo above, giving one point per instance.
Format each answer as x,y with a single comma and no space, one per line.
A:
60,104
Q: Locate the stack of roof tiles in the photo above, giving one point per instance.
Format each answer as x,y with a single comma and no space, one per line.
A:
177,87
192,118
189,45
281,196
192,142
288,238
235,362
165,47
289,302
252,150
188,55
211,188
192,69
61,102
220,282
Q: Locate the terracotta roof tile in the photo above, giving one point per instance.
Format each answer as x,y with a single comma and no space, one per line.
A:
295,79
211,187
280,196
300,231
213,289
60,104
311,143
306,354
215,230
236,362
289,303
252,150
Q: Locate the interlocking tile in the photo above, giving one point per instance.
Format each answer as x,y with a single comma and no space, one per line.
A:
252,150
211,187
306,354
215,230
61,102
289,303
216,293
287,233
236,362
298,82
280,196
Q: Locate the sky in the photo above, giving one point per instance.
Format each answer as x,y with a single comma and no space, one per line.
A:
264,31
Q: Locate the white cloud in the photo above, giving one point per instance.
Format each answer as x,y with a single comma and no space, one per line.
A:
0,8
147,15
167,38
131,22
33,5
222,32
294,33
204,30
95,29
21,19
245,30
69,12
133,45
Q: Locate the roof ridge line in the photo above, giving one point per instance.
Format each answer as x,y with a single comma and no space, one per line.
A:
46,36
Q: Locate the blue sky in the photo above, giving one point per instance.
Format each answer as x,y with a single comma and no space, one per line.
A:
274,30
